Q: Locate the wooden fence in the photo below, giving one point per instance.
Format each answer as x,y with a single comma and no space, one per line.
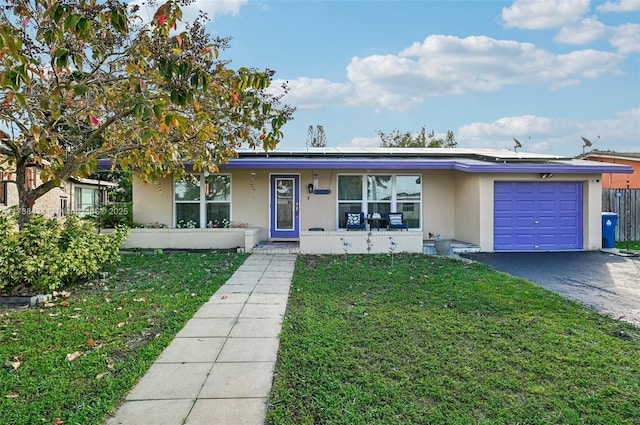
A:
625,202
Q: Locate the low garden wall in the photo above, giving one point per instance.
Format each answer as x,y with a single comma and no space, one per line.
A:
240,238
360,242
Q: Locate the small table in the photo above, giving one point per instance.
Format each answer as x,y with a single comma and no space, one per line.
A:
374,221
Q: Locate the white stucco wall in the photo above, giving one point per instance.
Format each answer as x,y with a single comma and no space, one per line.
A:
153,202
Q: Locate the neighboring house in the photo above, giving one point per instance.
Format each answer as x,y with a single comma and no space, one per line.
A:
614,180
82,196
498,200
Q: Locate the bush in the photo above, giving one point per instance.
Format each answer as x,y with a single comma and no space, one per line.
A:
113,215
48,254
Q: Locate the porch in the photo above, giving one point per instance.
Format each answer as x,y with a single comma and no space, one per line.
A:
255,240
294,247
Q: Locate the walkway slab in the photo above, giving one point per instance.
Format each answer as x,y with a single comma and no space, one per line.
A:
192,350
238,380
250,350
171,381
152,412
242,411
219,368
263,311
206,327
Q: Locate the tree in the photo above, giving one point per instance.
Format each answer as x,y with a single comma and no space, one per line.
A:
421,140
316,138
84,80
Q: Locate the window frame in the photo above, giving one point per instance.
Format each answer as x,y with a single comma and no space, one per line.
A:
394,203
204,201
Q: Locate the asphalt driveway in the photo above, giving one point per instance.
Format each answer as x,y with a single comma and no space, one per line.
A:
603,281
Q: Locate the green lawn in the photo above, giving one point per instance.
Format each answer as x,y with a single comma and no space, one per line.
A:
633,245
429,340
115,327
424,340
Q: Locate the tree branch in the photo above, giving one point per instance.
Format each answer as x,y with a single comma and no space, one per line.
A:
101,129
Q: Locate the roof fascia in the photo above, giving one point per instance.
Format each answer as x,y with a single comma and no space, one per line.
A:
461,165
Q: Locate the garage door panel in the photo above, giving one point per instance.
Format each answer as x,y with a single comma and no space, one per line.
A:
532,216
546,206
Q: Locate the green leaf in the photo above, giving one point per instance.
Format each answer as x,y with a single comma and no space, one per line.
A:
80,89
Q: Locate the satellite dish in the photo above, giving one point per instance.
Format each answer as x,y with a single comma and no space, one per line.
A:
587,142
519,144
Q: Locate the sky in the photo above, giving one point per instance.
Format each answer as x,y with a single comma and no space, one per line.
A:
546,72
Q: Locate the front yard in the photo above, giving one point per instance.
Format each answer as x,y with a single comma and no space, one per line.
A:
435,341
366,340
73,361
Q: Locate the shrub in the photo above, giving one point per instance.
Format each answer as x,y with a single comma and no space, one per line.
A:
48,254
113,215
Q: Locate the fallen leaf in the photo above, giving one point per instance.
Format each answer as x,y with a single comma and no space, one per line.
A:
13,395
58,421
14,364
75,316
64,304
121,324
224,297
101,375
139,300
91,343
73,356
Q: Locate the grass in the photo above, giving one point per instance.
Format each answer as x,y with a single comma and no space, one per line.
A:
117,327
633,245
436,341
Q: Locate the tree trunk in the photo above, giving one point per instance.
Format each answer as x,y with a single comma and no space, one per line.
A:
25,203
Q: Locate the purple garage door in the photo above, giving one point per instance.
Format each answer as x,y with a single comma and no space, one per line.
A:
532,216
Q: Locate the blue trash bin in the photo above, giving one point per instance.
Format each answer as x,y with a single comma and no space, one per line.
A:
609,222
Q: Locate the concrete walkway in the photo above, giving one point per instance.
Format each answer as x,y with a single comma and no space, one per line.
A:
219,368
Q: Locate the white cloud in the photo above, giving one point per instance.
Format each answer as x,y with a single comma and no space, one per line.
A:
313,93
213,8
626,38
534,14
622,6
448,65
364,142
191,11
584,32
552,135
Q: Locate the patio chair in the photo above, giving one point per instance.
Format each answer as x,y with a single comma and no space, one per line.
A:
396,221
355,221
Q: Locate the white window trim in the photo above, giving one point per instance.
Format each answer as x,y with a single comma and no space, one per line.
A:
394,198
202,210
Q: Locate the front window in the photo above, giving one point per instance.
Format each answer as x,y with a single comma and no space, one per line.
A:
349,197
203,201
187,198
86,200
408,199
218,199
381,194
